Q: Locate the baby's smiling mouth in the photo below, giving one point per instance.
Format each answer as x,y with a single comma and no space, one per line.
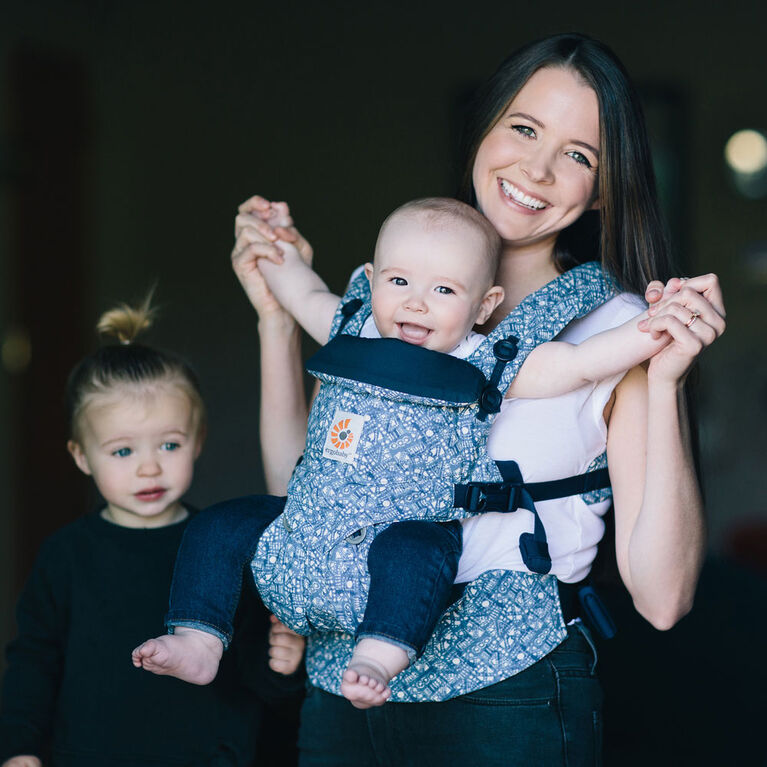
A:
413,334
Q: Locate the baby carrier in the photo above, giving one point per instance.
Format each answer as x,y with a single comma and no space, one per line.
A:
400,432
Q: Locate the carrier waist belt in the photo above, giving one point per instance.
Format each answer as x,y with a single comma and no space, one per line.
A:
510,496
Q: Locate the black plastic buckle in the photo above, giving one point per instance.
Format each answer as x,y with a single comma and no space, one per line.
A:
506,349
476,499
489,402
501,496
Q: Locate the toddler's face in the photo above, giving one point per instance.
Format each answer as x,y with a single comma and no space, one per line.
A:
140,450
429,283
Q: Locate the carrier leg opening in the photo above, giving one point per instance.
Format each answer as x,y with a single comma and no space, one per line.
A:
412,568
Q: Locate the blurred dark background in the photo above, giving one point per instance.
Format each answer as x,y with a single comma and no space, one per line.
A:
129,132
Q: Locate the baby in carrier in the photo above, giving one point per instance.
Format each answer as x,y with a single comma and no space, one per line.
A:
431,282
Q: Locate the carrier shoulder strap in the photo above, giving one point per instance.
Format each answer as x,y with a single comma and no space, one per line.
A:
538,318
354,308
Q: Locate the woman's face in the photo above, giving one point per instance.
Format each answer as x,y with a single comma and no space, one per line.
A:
535,172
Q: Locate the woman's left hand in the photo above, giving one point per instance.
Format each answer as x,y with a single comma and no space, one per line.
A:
692,312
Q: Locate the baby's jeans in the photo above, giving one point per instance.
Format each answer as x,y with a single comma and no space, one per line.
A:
412,567
218,545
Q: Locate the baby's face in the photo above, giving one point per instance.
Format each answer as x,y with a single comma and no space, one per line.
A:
429,283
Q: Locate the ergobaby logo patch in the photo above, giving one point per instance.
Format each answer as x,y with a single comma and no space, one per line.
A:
343,436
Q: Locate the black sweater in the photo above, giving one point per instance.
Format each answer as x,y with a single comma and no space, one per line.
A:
71,694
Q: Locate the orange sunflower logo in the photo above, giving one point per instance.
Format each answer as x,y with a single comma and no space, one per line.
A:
341,436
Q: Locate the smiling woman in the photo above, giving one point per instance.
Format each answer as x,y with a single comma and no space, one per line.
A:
591,113
536,169
557,159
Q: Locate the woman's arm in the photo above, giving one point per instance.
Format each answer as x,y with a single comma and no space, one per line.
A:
660,532
283,409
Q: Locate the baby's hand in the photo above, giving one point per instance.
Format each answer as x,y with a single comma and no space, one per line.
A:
264,219
277,215
286,648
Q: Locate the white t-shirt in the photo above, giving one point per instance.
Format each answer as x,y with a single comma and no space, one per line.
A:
550,439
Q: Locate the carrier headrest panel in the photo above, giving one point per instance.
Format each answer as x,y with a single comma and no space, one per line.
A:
396,365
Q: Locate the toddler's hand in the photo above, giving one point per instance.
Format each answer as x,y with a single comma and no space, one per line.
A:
22,761
286,648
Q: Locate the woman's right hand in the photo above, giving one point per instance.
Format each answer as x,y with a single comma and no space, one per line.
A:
257,227
692,311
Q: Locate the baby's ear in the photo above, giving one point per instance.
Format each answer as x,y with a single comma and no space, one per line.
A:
369,272
491,300
79,457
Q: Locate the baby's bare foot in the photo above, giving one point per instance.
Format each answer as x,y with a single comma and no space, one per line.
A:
365,684
188,654
374,663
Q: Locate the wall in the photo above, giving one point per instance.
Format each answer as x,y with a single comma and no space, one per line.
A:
346,110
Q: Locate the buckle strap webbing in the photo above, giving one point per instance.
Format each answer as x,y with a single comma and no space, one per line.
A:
513,493
510,496
348,310
491,396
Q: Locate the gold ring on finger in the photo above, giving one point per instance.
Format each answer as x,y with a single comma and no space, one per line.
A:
694,316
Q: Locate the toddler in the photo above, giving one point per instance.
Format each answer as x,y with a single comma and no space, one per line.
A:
70,697
432,281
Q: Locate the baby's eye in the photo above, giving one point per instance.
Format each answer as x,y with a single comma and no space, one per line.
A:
580,158
525,130
398,281
122,452
170,446
444,290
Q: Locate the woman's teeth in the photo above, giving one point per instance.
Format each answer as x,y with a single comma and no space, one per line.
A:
523,199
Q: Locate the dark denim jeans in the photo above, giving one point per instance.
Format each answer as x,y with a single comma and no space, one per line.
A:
217,547
549,715
412,568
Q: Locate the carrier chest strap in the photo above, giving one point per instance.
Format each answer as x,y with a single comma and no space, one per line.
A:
491,396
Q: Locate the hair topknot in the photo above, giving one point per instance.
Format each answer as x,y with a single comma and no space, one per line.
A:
126,322
127,364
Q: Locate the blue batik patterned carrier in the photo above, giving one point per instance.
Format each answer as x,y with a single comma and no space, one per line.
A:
399,432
